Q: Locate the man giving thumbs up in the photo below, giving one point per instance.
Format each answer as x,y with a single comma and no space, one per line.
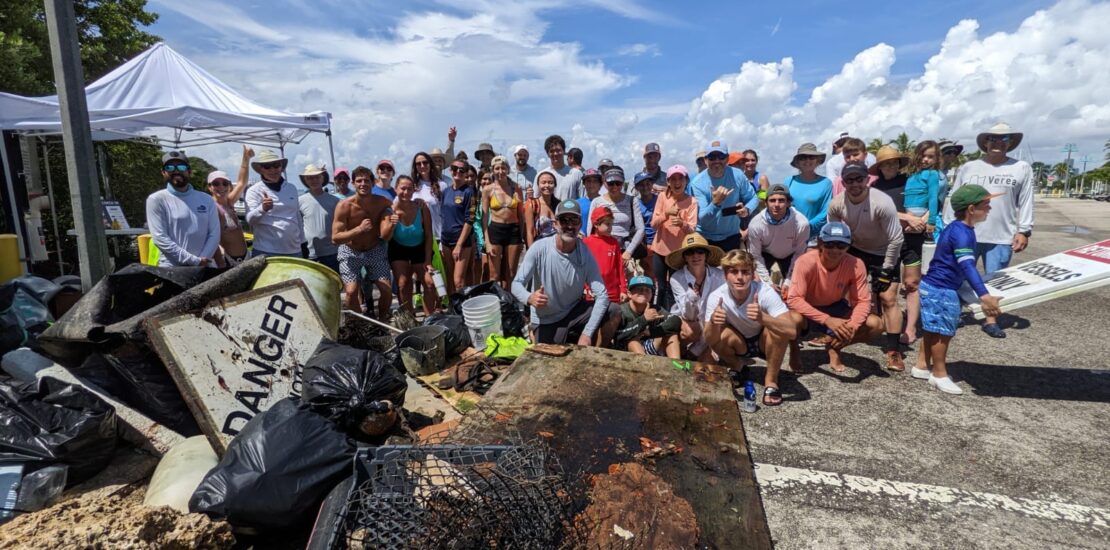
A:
749,320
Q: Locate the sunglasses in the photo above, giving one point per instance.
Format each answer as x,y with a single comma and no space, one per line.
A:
421,163
855,179
716,156
950,153
693,251
1003,139
569,220
837,246
270,166
614,183
176,168
456,168
219,183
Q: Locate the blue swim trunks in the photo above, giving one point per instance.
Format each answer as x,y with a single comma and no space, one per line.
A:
940,309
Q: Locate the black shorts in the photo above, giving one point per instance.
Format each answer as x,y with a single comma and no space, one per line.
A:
449,240
874,264
911,250
504,234
568,329
783,263
754,350
841,310
401,253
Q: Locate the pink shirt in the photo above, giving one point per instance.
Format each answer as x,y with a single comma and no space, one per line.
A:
812,285
668,237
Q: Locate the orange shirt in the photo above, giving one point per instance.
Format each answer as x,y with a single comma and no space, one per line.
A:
812,285
668,237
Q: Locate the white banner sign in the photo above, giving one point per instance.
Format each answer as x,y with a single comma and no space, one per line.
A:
1044,279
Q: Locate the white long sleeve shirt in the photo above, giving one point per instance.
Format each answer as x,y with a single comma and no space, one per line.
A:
786,239
692,305
1010,214
281,229
184,226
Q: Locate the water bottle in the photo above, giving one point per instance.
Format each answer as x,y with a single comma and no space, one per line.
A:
441,287
749,396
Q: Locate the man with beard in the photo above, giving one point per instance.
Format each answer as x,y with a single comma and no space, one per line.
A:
273,210
652,171
522,173
357,230
183,222
558,268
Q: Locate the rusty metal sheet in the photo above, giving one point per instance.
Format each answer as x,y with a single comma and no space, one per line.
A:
601,409
239,355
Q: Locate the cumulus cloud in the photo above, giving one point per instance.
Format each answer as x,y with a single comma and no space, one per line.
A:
636,50
490,70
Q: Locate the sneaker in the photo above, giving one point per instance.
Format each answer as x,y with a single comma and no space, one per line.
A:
994,331
920,374
945,385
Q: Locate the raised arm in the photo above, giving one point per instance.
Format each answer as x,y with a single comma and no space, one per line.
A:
244,176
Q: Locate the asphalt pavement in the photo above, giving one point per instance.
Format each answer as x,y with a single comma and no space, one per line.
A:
874,459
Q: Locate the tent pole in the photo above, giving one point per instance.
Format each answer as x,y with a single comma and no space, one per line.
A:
331,149
281,147
53,210
17,220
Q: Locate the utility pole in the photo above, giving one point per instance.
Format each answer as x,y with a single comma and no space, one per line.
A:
1069,148
84,193
1083,174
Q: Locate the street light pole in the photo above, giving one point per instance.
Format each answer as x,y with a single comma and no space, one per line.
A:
84,193
1069,149
1083,174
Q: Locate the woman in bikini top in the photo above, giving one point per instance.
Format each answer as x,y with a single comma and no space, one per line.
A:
233,244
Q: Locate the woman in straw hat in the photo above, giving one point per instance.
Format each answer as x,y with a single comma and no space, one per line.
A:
696,275
810,191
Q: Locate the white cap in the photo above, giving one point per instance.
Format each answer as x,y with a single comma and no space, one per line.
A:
520,148
217,175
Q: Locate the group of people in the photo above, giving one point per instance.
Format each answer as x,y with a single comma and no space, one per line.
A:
715,264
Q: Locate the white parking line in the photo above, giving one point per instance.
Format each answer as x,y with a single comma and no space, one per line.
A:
771,476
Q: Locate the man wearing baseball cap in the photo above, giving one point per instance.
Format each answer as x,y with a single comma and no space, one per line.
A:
558,268
829,293
876,240
184,223
777,236
1007,229
953,264
724,196
522,173
652,170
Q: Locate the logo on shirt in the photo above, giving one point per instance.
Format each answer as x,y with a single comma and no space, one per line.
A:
201,209
458,199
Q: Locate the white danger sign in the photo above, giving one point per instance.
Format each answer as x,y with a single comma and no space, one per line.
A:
1044,279
239,355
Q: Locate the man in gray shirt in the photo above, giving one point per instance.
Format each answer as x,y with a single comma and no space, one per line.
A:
1009,225
522,173
559,268
318,212
568,179
877,241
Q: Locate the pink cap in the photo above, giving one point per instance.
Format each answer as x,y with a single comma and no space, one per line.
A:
341,170
386,162
677,169
217,175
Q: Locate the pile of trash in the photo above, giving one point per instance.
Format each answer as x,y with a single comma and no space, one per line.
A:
256,407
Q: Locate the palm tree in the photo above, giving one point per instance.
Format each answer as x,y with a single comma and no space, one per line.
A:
874,145
904,144
1040,171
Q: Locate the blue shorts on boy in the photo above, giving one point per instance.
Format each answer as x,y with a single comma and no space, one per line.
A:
953,263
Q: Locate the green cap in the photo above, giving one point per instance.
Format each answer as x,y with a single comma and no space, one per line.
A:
968,195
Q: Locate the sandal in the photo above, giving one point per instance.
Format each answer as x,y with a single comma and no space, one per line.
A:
772,397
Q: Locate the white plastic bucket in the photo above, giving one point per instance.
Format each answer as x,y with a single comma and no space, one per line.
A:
483,317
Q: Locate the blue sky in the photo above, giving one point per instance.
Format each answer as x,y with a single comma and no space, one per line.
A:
612,75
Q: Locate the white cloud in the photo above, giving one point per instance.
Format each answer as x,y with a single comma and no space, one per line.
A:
489,70
638,49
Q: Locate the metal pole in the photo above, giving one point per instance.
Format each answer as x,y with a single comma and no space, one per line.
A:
1069,149
84,193
331,149
53,210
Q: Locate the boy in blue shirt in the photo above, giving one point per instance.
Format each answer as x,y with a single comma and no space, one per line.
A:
953,262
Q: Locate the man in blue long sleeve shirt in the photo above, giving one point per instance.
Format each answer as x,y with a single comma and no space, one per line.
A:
184,223
724,195
559,269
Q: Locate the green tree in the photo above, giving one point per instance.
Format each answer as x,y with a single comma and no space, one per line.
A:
1040,173
110,32
874,145
904,144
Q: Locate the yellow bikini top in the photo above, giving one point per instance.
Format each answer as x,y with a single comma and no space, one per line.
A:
495,204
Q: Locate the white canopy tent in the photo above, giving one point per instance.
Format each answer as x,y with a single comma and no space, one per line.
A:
161,90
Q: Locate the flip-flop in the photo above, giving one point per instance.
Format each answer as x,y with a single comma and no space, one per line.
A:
773,394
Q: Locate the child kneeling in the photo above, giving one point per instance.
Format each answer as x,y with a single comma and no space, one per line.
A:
643,329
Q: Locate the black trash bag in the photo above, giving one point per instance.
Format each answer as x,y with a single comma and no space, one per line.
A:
277,471
23,317
346,385
135,375
457,338
513,321
48,422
